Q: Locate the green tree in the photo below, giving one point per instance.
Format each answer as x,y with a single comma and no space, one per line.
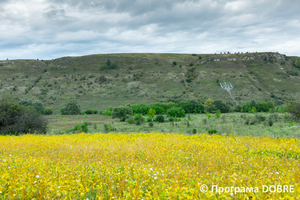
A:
16,119
151,113
72,108
122,112
176,112
209,105
108,112
48,111
108,62
294,109
174,63
38,105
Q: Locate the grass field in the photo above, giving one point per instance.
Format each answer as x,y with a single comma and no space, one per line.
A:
229,123
147,166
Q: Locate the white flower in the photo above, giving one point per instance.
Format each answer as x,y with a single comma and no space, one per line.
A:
277,172
38,176
35,181
151,169
4,160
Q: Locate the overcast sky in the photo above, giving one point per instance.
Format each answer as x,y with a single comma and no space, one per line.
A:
48,29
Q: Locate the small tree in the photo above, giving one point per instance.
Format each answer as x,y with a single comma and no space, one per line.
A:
16,119
48,111
108,112
122,112
72,108
174,63
294,109
160,119
108,62
209,105
151,113
218,114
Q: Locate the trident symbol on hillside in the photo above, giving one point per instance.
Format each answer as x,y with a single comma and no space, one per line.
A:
227,87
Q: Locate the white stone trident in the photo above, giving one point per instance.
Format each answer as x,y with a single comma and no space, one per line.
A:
227,87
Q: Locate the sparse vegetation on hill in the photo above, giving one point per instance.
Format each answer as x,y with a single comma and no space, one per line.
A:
102,81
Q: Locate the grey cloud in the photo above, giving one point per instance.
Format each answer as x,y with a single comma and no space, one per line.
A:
106,26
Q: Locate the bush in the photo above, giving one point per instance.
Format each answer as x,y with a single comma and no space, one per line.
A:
16,119
218,114
209,105
223,107
79,128
194,131
38,105
48,111
122,112
210,132
72,108
151,124
176,112
106,128
160,119
108,112
271,122
294,109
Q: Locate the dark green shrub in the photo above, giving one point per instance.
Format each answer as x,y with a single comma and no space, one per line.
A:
151,124
176,112
16,119
199,108
171,119
238,108
294,109
88,112
174,63
194,131
71,108
204,121
210,132
271,122
106,128
160,119
223,107
122,112
48,111
94,111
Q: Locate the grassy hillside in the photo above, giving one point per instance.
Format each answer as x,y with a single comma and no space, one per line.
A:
149,78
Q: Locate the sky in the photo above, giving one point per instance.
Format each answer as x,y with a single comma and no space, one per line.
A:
48,29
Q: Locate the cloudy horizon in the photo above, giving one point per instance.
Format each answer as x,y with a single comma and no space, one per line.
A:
48,29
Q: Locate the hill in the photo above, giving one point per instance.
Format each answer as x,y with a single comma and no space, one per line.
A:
101,81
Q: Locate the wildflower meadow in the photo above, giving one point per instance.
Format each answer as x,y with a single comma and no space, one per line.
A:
148,166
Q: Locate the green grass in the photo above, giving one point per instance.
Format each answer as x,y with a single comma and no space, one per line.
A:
229,123
156,80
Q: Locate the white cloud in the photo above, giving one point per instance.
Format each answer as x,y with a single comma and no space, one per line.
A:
54,28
